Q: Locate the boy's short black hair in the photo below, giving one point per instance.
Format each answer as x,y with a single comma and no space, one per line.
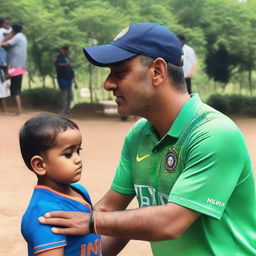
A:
39,133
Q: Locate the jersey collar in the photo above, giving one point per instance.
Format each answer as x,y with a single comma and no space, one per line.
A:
183,118
185,115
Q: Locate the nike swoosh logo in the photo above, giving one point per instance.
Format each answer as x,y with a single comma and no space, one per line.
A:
138,159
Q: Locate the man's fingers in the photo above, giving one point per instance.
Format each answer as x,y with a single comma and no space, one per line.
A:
69,223
54,221
58,214
64,231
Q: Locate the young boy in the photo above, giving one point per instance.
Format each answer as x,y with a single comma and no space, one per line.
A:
50,146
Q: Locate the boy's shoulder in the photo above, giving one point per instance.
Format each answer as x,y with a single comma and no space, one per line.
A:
83,190
45,199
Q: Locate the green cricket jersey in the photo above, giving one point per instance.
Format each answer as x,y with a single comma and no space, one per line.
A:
202,163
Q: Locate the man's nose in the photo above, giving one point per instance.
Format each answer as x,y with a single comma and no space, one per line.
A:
109,84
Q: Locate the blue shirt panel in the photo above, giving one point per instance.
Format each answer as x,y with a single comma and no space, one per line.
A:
40,238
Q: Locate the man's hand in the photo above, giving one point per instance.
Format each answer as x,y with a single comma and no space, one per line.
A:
71,223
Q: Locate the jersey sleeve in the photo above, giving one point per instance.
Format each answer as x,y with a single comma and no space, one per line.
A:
214,160
123,179
38,236
122,182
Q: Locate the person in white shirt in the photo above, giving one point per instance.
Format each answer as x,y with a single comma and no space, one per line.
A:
189,62
17,57
5,28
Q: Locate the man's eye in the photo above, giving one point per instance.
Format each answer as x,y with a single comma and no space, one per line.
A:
120,74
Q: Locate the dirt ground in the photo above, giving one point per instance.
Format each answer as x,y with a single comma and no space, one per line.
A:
102,141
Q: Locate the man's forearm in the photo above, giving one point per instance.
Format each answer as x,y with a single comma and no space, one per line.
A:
113,201
153,223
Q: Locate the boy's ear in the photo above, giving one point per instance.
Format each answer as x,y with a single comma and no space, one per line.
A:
38,165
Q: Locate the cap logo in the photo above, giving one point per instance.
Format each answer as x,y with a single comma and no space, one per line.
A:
121,34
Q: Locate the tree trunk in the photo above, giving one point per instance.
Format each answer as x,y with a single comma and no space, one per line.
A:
53,82
90,81
30,80
43,80
250,80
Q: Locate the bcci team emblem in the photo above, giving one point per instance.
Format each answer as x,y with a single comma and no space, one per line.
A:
170,161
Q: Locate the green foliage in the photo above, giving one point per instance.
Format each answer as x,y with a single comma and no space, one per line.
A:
222,32
233,104
42,97
217,64
219,102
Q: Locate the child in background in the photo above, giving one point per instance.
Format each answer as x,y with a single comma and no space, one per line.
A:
50,146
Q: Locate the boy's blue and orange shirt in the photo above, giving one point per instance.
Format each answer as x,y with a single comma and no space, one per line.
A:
40,238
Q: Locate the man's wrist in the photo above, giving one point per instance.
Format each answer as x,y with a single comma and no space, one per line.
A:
92,223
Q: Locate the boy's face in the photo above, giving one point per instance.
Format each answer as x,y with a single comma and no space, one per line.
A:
63,163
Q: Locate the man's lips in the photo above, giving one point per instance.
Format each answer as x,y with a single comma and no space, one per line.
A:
119,98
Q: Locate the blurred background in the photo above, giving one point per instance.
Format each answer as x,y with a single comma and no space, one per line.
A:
222,33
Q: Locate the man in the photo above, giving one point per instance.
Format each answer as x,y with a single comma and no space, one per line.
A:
65,76
17,57
189,66
187,164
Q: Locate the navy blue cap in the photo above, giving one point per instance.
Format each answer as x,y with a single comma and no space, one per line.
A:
148,39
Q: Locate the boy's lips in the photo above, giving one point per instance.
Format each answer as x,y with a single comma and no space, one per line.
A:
79,169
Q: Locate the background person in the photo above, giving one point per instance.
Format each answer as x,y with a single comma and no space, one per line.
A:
189,65
17,58
177,161
5,28
4,82
50,146
65,77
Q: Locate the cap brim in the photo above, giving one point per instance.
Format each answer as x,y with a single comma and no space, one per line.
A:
106,55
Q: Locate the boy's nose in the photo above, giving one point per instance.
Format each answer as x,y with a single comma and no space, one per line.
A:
77,158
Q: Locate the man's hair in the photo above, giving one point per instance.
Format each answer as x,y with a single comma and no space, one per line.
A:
39,133
175,73
16,28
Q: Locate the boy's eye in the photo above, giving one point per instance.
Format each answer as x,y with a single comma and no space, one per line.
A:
78,151
68,154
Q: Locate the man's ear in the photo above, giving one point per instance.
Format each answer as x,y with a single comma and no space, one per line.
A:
38,165
159,71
